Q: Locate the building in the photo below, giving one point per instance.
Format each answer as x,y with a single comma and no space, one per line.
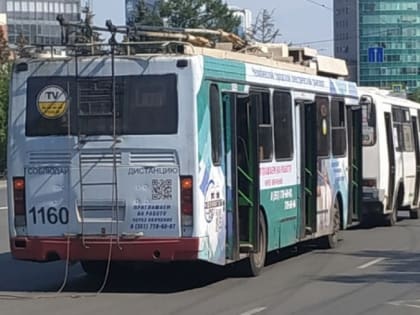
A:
380,40
36,20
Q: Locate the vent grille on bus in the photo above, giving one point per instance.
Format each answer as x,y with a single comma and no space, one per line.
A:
99,159
49,158
152,158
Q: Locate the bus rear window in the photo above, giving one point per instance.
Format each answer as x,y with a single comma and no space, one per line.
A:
61,105
368,121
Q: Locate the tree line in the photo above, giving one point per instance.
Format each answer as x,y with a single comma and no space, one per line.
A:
209,14
5,68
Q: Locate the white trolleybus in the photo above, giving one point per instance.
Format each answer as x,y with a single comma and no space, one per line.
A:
391,156
165,151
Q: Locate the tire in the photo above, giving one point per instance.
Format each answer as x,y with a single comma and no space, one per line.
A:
331,241
391,218
253,265
414,213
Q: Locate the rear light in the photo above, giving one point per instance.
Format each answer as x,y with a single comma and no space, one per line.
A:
186,200
369,182
19,201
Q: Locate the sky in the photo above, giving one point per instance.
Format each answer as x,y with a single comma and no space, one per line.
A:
299,21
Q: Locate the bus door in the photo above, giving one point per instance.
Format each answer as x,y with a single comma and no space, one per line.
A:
308,145
354,134
241,140
391,158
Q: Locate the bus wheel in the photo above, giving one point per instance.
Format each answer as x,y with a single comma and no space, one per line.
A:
253,265
414,213
391,219
331,240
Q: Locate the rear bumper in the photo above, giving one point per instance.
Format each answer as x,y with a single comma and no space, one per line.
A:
56,248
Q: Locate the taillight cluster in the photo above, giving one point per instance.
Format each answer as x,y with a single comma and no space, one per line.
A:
19,201
187,200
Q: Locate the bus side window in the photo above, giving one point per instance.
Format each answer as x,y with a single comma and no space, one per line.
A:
338,128
265,129
283,125
323,126
215,122
403,130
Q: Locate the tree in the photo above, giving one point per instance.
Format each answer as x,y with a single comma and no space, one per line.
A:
4,97
415,95
4,100
264,30
148,14
21,43
208,14
4,49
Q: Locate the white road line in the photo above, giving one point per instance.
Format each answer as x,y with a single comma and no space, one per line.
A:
254,311
3,208
364,266
406,303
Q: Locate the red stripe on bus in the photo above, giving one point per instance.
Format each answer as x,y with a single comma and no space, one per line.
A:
47,249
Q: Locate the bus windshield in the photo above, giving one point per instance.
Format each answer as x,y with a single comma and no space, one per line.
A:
144,105
368,121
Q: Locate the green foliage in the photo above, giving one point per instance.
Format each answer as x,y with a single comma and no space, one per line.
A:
415,95
208,14
4,97
148,15
4,101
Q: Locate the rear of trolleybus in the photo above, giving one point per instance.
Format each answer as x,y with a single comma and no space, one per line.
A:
102,154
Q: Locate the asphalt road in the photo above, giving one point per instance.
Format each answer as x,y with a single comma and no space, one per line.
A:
373,271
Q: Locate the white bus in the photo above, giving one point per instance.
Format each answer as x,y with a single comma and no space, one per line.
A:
200,154
391,160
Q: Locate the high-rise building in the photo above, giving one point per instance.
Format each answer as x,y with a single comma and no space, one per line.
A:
36,20
380,40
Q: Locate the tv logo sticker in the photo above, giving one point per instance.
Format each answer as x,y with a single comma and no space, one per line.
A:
52,102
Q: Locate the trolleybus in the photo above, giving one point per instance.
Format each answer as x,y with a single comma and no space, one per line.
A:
185,154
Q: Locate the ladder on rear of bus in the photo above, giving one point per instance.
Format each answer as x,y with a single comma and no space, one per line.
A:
83,139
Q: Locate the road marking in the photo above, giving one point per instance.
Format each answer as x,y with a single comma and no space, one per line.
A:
254,311
364,266
406,303
3,208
